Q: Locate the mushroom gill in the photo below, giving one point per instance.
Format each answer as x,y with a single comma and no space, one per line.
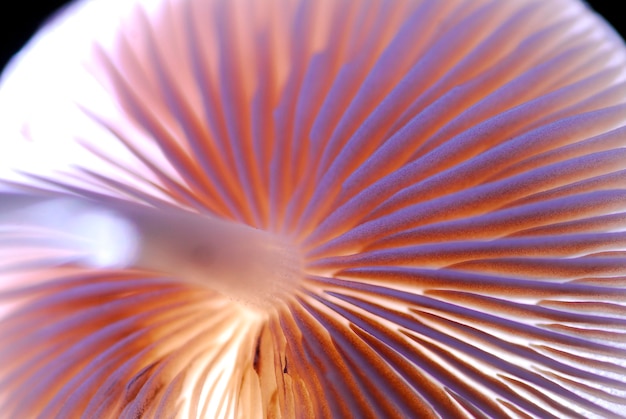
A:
292,208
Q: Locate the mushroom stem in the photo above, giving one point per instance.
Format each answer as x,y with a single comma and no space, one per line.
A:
248,265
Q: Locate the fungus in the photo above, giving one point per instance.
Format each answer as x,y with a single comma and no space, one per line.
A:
315,209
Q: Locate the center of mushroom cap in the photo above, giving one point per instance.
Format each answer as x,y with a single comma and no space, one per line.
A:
253,267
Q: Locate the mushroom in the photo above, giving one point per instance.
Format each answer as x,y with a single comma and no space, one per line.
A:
239,208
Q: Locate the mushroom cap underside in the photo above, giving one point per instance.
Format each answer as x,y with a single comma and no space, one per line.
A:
452,176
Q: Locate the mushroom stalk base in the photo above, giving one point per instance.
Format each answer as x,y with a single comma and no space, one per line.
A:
251,266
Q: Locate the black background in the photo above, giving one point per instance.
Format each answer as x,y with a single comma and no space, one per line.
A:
18,24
